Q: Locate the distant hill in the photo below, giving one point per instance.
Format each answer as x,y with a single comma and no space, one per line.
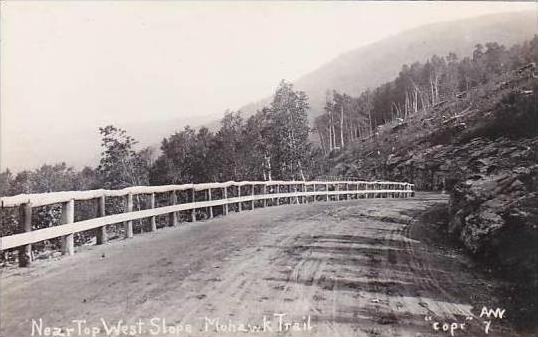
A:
379,62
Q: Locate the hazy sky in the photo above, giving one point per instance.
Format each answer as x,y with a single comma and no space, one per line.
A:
65,65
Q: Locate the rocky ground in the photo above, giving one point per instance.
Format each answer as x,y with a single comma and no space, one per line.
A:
377,267
482,148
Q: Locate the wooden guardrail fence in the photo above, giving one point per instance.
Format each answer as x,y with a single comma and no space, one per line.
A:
231,193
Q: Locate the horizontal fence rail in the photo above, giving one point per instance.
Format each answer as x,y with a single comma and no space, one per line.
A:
230,193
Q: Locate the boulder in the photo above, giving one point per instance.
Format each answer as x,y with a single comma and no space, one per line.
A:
495,216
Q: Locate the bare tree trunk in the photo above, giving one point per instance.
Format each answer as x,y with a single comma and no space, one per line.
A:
370,121
301,171
437,96
330,138
432,90
323,146
268,166
342,126
423,102
334,135
418,94
395,108
330,134
415,101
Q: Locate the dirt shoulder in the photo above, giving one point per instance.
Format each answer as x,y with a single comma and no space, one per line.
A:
357,267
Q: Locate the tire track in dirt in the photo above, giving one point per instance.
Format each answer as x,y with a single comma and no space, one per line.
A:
352,266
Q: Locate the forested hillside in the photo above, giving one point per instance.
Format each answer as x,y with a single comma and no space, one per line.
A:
417,88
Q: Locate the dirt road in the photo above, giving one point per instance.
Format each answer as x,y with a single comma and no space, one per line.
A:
348,268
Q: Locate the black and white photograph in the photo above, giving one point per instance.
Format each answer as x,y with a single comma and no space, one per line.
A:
268,168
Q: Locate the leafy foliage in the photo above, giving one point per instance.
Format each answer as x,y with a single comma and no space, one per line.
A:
273,143
120,164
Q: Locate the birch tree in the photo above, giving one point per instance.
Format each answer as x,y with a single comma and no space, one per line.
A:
120,165
289,124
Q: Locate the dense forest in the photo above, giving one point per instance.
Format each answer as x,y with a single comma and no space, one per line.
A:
274,143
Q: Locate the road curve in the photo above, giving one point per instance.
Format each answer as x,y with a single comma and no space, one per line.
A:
348,268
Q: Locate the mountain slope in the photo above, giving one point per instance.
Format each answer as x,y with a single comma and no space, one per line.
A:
482,148
374,64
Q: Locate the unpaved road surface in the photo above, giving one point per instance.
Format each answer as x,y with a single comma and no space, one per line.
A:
348,268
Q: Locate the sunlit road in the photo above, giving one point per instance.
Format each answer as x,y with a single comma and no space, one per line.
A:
348,268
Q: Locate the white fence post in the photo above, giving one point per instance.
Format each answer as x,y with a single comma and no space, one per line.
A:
101,236
252,193
25,252
239,206
193,213
209,197
129,224
68,216
265,196
153,220
289,191
172,217
225,196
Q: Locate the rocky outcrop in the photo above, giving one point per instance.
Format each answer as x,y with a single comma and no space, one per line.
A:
488,211
496,218
486,157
